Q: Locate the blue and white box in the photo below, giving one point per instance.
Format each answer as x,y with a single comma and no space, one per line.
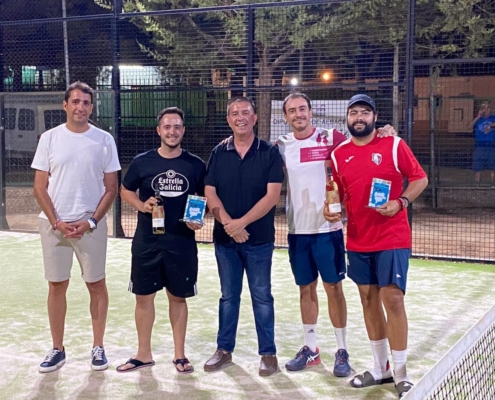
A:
195,209
380,192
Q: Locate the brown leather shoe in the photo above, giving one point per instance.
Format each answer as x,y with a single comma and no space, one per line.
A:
218,360
268,365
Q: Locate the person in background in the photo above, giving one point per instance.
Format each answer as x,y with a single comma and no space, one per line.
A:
484,143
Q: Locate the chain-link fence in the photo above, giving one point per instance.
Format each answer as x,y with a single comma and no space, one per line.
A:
429,68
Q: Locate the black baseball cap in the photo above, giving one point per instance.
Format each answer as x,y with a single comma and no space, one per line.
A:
362,98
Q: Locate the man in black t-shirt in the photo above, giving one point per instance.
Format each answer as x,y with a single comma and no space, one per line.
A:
168,260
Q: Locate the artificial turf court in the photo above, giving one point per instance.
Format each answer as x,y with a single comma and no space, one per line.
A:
443,301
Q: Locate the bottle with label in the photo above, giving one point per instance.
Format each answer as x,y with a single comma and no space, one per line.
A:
158,215
332,190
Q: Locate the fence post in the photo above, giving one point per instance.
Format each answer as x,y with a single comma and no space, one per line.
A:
118,231
410,81
66,45
2,89
3,184
250,28
410,71
433,105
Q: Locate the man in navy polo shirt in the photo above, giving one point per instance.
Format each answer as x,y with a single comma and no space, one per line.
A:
243,182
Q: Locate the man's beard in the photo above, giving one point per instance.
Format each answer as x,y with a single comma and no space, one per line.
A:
300,128
369,128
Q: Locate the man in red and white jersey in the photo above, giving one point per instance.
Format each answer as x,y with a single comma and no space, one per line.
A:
316,247
370,173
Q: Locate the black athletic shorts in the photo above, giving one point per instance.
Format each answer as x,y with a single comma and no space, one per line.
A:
175,269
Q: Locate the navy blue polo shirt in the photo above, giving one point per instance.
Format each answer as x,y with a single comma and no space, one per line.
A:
241,182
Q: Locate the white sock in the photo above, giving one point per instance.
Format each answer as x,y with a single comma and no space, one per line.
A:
310,336
340,335
399,359
381,367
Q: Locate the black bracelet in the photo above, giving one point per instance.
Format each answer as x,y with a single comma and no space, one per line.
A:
406,201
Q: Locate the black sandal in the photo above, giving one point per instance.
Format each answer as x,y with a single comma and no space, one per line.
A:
402,388
183,362
367,380
136,364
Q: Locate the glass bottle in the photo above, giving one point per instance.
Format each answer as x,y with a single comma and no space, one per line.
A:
158,215
332,192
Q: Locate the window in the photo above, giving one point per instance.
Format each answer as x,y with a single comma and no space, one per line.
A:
26,119
10,118
54,118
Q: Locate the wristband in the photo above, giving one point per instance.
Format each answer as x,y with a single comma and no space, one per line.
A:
401,203
55,224
405,200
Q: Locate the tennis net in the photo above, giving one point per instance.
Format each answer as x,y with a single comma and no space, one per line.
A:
467,371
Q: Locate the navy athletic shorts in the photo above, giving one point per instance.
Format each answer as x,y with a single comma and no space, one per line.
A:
380,268
322,253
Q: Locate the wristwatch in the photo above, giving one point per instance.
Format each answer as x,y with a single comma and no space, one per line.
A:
93,224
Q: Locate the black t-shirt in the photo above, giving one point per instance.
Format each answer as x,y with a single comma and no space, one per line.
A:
175,178
241,182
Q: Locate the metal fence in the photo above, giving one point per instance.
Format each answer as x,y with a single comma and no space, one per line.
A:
429,67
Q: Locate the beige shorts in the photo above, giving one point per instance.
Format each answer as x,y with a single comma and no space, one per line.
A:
58,252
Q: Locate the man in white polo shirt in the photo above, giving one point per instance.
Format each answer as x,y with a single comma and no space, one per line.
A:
75,184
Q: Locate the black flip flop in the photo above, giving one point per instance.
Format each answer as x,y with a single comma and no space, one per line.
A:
137,364
182,362
368,380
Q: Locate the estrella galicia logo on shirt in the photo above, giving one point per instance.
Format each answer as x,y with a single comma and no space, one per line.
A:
170,184
376,158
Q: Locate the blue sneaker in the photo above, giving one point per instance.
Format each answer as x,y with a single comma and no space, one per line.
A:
54,360
341,367
99,361
305,358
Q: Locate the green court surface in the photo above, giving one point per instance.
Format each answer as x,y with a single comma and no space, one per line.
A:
443,301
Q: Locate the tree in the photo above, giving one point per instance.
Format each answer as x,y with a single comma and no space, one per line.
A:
380,26
455,29
42,45
20,44
191,44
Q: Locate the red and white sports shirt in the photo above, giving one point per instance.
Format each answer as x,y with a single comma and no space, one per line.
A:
354,168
